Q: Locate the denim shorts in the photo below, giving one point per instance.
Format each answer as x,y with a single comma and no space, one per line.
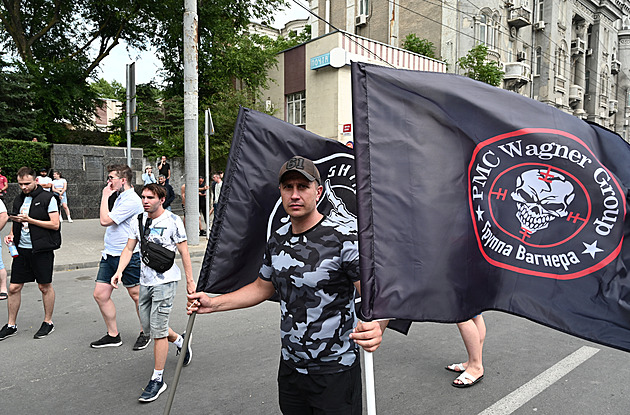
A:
108,266
155,305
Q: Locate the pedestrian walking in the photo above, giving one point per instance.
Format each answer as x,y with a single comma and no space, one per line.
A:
60,187
117,222
36,234
160,233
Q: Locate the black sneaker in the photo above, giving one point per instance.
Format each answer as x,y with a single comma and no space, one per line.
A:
142,341
44,330
7,332
107,341
152,391
188,356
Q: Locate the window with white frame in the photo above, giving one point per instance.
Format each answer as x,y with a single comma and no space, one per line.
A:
296,108
362,7
540,7
538,61
487,29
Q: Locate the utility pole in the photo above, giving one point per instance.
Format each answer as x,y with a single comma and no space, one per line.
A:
191,115
131,119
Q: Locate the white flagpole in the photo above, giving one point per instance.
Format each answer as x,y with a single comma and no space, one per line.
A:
370,390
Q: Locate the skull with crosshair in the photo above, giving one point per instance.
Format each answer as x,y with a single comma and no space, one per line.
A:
541,195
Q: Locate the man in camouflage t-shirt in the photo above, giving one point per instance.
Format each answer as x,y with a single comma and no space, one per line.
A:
312,263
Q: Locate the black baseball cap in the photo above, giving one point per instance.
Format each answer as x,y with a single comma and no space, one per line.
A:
301,165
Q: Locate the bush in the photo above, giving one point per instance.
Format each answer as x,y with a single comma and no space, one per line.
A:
17,153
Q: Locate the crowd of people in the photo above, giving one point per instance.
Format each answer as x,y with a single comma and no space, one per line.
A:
321,335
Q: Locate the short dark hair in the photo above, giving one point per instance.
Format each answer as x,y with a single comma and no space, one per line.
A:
26,171
123,171
156,189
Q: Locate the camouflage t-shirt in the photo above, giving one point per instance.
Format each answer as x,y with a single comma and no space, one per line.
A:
313,273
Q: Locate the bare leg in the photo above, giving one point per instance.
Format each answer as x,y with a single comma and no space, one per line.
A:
134,293
48,298
103,296
473,333
65,207
3,280
160,349
14,301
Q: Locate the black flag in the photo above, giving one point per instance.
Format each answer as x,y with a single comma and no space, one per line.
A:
250,207
474,198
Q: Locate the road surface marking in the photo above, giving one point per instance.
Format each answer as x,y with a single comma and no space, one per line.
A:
522,395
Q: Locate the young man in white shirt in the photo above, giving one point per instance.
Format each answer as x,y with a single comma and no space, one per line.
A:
157,289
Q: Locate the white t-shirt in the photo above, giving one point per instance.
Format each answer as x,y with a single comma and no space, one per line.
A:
59,183
25,236
126,209
44,180
3,208
167,230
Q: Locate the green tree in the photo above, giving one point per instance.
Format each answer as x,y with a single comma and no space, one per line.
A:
476,66
422,46
17,116
60,44
104,89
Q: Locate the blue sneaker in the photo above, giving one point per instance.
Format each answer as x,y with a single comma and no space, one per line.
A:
188,356
152,391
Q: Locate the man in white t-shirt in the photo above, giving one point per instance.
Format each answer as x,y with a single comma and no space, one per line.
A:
44,181
157,289
118,220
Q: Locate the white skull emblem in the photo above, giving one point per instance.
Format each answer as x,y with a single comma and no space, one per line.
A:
541,195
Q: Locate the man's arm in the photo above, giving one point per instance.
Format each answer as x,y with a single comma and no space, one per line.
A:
368,334
248,296
182,247
5,186
125,257
104,208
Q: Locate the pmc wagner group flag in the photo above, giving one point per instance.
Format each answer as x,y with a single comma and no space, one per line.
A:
474,198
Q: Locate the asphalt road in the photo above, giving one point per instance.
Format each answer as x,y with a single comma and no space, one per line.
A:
530,369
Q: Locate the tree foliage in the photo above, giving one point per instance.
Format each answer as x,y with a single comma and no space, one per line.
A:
422,46
476,66
17,118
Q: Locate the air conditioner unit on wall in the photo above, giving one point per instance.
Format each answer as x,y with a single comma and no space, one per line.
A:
520,56
361,20
540,25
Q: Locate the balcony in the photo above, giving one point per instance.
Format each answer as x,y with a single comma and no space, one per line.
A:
516,75
615,67
519,17
578,46
613,106
576,93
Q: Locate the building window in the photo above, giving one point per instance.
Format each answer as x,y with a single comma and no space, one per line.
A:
538,61
362,7
540,13
561,60
487,29
296,108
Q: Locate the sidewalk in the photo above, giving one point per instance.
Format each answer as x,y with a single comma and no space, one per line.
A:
81,245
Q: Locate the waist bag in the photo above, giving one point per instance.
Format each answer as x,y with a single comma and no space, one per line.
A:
154,255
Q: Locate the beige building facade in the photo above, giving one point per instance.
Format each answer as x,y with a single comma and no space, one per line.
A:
571,54
311,85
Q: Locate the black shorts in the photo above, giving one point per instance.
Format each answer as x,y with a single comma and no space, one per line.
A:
30,267
332,394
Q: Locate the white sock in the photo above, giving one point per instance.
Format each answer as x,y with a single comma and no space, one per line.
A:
157,375
179,342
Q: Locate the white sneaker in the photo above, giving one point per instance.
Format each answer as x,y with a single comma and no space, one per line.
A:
70,220
60,219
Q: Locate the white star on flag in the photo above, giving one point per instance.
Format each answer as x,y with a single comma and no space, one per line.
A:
591,249
479,213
